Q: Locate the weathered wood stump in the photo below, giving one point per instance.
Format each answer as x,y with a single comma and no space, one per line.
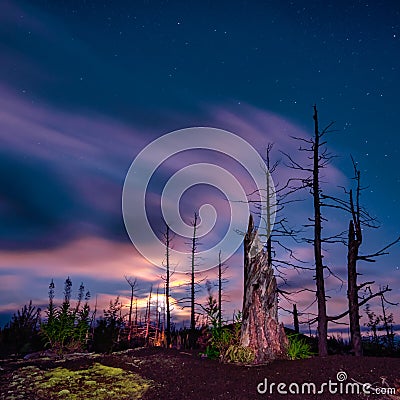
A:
260,330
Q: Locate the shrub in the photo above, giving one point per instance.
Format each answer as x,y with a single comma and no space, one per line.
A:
239,354
221,339
225,343
20,335
107,336
298,348
66,328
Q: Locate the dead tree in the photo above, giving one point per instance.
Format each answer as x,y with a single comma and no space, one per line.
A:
148,318
158,320
388,324
319,266
269,204
167,280
275,201
354,242
221,280
281,238
132,283
320,159
373,322
192,275
219,289
193,285
167,286
136,317
213,308
295,319
353,256
359,218
260,329
93,317
353,245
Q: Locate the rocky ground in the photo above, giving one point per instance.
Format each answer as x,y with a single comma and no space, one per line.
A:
154,373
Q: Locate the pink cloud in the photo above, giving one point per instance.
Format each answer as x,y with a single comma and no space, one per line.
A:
92,151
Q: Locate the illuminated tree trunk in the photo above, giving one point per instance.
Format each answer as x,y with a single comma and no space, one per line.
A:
260,330
148,318
167,290
192,336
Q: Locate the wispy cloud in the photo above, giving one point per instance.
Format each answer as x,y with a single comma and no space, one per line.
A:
61,203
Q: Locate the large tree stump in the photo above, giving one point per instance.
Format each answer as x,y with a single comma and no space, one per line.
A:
260,330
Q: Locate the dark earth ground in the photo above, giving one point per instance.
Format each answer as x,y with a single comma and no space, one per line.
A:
184,375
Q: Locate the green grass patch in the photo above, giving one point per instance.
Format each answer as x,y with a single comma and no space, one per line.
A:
98,382
298,348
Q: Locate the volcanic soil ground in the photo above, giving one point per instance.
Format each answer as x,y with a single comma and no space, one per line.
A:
155,373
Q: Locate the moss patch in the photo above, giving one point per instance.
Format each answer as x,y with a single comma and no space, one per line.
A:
97,382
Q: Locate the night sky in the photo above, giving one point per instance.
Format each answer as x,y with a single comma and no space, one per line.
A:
86,85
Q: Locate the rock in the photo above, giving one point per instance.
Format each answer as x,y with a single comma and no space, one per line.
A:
33,356
41,354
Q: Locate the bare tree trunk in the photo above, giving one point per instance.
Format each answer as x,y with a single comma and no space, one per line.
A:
352,290
148,318
167,285
295,319
136,319
219,290
132,284
260,328
319,266
386,325
359,217
321,158
192,339
192,277
157,333
93,319
130,316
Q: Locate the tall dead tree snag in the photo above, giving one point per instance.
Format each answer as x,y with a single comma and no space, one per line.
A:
132,283
319,266
167,279
320,158
192,285
353,245
260,330
221,282
148,318
359,218
219,290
